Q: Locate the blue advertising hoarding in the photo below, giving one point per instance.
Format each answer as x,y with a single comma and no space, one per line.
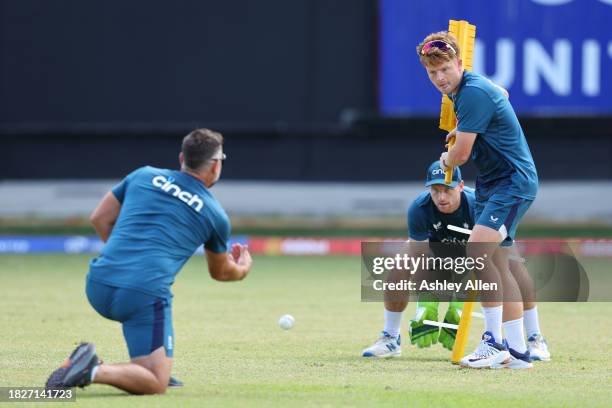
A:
553,56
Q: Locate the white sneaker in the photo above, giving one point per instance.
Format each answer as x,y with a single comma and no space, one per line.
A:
538,348
516,361
486,354
386,346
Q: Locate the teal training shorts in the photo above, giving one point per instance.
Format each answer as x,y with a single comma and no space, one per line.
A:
146,319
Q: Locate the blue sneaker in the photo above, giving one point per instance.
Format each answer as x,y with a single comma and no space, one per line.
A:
488,353
386,346
174,382
516,361
77,370
54,382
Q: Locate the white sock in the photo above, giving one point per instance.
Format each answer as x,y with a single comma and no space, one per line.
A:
393,322
532,322
493,321
515,335
94,371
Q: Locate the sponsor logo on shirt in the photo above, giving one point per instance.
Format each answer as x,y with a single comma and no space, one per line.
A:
167,185
454,240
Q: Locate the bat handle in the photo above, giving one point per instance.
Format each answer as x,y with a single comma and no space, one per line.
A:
448,176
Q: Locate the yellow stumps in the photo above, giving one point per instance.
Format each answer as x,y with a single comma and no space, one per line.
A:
465,33
463,331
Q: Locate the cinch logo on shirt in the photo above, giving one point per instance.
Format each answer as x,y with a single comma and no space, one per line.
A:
436,172
185,196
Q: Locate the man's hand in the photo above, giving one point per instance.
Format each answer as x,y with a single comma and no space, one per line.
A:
241,256
450,135
424,335
447,336
443,159
232,266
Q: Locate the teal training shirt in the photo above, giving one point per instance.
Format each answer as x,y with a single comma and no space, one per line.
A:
165,216
426,222
500,152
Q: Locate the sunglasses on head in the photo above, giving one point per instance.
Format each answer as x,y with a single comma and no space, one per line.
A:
439,44
220,158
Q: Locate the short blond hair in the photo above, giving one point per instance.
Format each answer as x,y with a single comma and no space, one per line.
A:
436,56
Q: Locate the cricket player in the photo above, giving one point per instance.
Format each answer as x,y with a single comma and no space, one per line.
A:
152,222
489,132
428,219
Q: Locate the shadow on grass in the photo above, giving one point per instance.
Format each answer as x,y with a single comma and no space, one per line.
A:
433,359
112,392
394,360
109,393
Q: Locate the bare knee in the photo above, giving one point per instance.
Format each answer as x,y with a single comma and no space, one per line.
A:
159,367
161,388
156,388
395,306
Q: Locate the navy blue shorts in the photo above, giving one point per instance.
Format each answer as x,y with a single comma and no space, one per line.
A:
146,319
501,212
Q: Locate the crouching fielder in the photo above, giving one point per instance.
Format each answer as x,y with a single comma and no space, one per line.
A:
152,222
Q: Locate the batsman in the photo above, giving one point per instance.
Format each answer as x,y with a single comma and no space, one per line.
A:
482,126
488,131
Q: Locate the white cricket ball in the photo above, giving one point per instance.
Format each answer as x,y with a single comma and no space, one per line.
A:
286,322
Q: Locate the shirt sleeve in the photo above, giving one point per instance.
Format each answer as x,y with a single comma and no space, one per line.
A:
417,223
475,110
221,233
119,189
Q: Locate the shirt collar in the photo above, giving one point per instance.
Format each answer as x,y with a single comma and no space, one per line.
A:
463,79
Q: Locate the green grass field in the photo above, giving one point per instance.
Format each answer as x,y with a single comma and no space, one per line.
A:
230,351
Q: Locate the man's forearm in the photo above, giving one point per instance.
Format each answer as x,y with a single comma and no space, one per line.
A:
461,150
454,159
232,272
105,215
103,230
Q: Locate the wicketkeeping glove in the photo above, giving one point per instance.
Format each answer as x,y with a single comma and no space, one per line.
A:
447,336
424,335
